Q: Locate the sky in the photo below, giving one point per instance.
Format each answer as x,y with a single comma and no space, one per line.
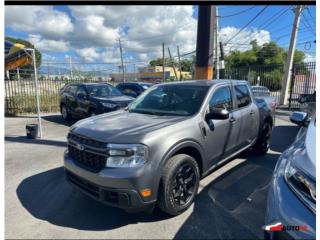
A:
90,34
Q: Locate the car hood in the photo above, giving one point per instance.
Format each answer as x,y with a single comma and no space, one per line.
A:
122,126
116,99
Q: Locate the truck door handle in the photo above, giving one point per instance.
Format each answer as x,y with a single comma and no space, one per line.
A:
251,112
232,120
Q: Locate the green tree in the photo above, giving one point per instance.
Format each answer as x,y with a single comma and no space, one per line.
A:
186,65
266,55
159,62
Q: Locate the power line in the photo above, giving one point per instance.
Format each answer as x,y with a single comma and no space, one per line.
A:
257,15
238,13
276,17
306,23
314,21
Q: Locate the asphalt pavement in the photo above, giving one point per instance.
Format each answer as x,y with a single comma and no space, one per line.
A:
39,203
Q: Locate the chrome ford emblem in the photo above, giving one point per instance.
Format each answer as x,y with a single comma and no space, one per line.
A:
79,146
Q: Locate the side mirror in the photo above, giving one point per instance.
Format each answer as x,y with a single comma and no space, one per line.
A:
82,96
299,118
217,113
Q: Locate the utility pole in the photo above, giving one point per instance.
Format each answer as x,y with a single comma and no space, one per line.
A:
163,64
71,73
205,34
18,73
134,71
180,77
174,69
289,63
123,74
222,60
216,45
48,74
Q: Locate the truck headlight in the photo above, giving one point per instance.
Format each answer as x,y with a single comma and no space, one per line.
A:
126,155
301,184
109,105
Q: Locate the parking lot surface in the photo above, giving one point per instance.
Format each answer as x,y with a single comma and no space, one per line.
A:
39,203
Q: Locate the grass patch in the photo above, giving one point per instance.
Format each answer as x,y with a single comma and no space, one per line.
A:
28,104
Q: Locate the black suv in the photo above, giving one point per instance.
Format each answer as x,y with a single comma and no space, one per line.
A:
133,89
89,99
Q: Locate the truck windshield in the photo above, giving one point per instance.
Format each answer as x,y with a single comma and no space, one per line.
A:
177,100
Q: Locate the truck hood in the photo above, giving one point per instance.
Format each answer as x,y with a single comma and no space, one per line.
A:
122,126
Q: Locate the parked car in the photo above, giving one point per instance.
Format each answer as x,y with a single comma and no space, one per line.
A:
264,93
307,102
89,99
260,90
156,150
133,89
291,200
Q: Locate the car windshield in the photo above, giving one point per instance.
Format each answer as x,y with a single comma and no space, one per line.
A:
102,90
172,99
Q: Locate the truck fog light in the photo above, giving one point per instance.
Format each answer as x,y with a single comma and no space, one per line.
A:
146,192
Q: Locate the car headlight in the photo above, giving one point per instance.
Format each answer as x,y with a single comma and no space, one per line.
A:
109,105
302,185
126,155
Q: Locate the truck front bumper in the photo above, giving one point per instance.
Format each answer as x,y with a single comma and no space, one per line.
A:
114,187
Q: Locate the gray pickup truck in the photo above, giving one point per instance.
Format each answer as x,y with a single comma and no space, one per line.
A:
155,151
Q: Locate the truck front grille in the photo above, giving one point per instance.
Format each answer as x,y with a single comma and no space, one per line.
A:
88,153
85,140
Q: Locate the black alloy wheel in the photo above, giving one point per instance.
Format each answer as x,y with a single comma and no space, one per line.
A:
183,184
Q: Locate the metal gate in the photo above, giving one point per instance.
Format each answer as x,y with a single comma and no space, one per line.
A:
302,85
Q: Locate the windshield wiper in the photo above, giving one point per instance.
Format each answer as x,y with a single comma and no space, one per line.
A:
146,112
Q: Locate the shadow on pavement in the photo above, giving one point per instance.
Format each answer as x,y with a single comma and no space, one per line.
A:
21,139
58,120
48,196
233,205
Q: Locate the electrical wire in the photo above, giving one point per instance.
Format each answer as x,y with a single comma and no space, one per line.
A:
314,21
306,23
276,17
246,25
238,13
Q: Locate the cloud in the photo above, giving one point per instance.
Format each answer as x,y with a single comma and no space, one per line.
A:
42,20
93,31
242,41
48,45
88,54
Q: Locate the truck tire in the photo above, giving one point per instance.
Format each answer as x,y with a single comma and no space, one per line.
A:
263,142
179,184
64,113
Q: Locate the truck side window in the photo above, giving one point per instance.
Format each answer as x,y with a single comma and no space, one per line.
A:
221,98
243,95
